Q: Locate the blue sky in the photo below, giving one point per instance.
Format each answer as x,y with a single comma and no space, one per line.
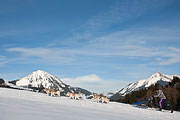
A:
98,45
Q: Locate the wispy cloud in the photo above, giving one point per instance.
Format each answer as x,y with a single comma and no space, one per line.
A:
2,60
174,56
175,49
46,54
140,35
118,13
130,42
140,42
116,44
2,57
5,60
121,11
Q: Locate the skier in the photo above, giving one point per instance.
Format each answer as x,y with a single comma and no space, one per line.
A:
162,97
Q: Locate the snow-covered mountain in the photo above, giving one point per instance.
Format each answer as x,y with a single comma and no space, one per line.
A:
142,84
41,79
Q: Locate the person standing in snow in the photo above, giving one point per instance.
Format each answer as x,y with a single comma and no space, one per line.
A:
160,94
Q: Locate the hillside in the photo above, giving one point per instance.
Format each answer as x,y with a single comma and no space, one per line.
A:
25,105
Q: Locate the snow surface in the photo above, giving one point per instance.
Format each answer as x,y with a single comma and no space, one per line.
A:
26,105
17,87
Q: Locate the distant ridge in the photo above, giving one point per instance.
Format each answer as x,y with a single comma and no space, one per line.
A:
142,84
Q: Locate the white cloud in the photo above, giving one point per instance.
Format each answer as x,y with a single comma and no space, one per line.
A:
2,58
137,36
135,43
83,79
170,61
166,56
174,49
38,52
173,56
94,83
45,54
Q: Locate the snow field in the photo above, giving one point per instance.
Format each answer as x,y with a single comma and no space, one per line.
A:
26,105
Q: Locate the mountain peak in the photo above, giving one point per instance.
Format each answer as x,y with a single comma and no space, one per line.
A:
40,78
160,76
141,84
157,74
40,72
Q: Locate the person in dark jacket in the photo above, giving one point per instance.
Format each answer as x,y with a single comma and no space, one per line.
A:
160,94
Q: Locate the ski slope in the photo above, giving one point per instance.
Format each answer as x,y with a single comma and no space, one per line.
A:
26,105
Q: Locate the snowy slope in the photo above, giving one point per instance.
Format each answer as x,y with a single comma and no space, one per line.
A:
17,87
25,105
141,84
